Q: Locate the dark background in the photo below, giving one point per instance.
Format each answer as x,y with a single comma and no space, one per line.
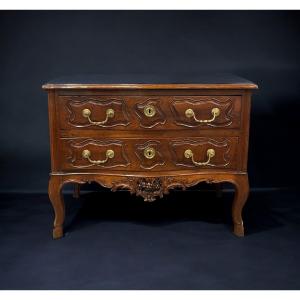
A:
37,46
114,240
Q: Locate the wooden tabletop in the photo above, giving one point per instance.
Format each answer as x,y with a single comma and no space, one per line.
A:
151,81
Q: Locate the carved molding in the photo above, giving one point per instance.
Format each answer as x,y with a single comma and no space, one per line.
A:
222,145
178,107
157,160
76,147
150,122
96,104
150,188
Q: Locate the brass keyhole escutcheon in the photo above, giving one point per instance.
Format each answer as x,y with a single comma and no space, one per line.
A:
149,111
149,152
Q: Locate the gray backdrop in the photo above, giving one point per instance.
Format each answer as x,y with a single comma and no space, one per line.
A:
37,46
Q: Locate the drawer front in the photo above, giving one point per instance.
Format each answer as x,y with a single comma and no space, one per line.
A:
150,155
93,112
148,112
207,111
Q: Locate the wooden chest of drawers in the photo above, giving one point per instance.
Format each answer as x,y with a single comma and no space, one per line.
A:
149,137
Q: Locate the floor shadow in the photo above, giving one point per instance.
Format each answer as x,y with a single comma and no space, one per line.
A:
263,211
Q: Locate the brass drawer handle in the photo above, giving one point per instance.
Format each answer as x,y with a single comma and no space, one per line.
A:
149,111
87,154
149,152
189,154
215,112
109,114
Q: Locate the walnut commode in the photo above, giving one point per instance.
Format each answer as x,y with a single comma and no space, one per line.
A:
149,137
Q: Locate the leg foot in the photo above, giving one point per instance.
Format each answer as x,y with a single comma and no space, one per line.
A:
238,229
240,198
58,232
56,198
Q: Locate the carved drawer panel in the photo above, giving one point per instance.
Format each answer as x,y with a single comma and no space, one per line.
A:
150,154
92,111
147,155
202,153
150,113
207,111
90,153
132,112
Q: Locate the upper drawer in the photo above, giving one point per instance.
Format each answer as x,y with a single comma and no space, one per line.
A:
149,112
207,111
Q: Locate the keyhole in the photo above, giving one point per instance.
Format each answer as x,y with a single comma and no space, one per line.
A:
149,111
149,153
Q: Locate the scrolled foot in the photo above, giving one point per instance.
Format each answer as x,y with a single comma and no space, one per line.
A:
238,229
58,232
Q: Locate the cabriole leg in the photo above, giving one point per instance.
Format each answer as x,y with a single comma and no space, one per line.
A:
241,194
58,204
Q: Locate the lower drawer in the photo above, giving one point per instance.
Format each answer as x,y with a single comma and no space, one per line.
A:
133,154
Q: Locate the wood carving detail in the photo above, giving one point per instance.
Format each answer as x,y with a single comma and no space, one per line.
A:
98,149
202,109
146,163
199,148
150,188
98,108
154,118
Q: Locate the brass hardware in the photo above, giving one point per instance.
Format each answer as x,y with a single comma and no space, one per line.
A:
109,114
189,154
149,111
189,113
87,154
149,152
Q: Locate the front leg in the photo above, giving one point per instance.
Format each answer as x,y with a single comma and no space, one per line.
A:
241,194
56,198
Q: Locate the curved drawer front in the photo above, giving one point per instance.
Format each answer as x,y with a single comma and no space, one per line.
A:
149,112
94,112
150,155
90,153
207,111
203,153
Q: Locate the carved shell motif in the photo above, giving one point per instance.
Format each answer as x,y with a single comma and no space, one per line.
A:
150,188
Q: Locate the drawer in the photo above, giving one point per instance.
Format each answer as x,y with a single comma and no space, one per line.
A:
150,155
148,112
92,112
207,111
